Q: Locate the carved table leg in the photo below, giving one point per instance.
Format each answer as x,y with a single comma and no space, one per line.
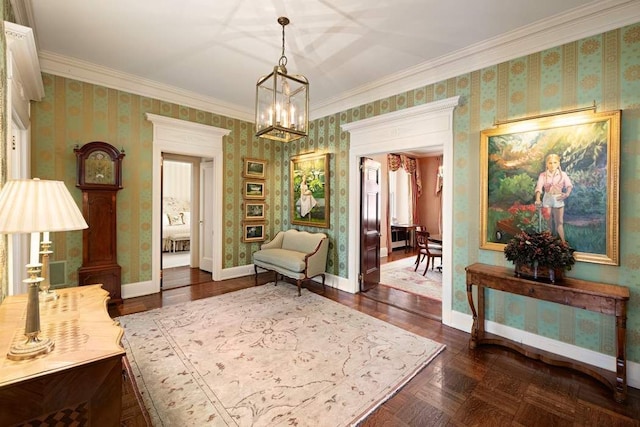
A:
474,327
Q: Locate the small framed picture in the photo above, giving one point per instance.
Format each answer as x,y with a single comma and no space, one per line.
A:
254,190
254,210
253,231
254,168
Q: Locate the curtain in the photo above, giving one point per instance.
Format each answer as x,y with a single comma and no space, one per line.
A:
411,166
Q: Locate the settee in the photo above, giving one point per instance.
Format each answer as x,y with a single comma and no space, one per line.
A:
299,255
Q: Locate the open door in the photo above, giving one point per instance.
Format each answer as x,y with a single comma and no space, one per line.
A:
370,224
206,216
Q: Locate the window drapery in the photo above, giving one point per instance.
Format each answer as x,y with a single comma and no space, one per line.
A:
411,166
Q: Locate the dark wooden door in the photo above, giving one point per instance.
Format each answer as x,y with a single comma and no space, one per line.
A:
370,224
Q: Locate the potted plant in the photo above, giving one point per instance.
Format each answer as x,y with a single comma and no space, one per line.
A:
540,255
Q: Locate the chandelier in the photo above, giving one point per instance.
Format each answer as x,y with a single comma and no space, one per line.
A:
282,102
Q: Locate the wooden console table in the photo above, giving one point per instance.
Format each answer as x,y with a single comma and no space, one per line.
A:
599,297
80,381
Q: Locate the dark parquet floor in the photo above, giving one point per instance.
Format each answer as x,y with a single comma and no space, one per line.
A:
489,386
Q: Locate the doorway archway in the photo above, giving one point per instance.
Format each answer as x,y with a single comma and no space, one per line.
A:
412,129
191,139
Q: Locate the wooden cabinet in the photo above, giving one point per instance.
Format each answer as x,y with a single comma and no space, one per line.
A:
99,176
80,381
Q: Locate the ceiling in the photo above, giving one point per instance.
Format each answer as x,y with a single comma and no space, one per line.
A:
215,50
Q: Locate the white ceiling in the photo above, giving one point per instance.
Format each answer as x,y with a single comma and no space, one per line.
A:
215,50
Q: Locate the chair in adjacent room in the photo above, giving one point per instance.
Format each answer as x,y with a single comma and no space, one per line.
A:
426,249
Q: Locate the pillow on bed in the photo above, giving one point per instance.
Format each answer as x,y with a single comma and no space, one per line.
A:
165,220
175,219
186,217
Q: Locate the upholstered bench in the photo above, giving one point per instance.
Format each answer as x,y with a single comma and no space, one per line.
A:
180,238
299,255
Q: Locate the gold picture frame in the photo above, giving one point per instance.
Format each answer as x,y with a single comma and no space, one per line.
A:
254,211
253,231
309,200
254,168
253,189
515,163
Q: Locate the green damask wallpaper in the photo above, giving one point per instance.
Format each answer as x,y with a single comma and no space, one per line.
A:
604,68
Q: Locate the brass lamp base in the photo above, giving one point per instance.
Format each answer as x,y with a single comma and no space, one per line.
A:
33,347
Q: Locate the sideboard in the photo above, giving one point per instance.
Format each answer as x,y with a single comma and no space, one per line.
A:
598,297
80,381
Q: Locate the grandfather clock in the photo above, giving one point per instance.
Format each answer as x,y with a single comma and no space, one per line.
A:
99,175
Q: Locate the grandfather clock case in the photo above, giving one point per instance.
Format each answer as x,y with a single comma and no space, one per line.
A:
99,175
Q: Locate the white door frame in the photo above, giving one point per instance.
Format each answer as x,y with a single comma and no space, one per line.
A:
205,252
424,127
192,139
24,83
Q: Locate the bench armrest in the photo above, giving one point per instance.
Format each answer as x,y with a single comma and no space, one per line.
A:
275,243
316,262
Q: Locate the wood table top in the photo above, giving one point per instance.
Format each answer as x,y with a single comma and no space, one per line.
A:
77,322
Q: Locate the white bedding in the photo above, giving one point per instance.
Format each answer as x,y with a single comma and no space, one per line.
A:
175,224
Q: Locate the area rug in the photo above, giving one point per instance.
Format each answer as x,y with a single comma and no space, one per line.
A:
263,356
400,275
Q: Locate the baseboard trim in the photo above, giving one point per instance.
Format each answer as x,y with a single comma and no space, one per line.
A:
138,289
464,322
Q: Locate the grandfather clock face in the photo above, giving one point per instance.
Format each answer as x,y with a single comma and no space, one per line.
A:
99,168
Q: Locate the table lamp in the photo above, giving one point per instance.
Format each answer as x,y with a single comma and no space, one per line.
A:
34,206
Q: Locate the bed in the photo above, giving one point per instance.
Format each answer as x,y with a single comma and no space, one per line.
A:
176,225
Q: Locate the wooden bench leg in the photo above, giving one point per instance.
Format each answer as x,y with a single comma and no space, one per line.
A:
255,277
323,287
299,283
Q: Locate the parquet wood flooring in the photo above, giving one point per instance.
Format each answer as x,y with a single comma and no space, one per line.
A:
489,386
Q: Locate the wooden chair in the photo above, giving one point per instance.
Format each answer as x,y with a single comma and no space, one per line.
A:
428,250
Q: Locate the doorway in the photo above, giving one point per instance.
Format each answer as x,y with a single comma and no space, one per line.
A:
177,211
190,139
404,284
423,128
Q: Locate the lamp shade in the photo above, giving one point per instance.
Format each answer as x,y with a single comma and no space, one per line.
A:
34,205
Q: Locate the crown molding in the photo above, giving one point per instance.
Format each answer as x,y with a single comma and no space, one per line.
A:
594,18
72,68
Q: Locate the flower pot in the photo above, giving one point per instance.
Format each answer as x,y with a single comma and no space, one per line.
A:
540,273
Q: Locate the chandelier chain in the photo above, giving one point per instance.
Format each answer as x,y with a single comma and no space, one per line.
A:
283,59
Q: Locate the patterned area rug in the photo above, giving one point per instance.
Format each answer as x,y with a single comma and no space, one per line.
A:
263,356
400,275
